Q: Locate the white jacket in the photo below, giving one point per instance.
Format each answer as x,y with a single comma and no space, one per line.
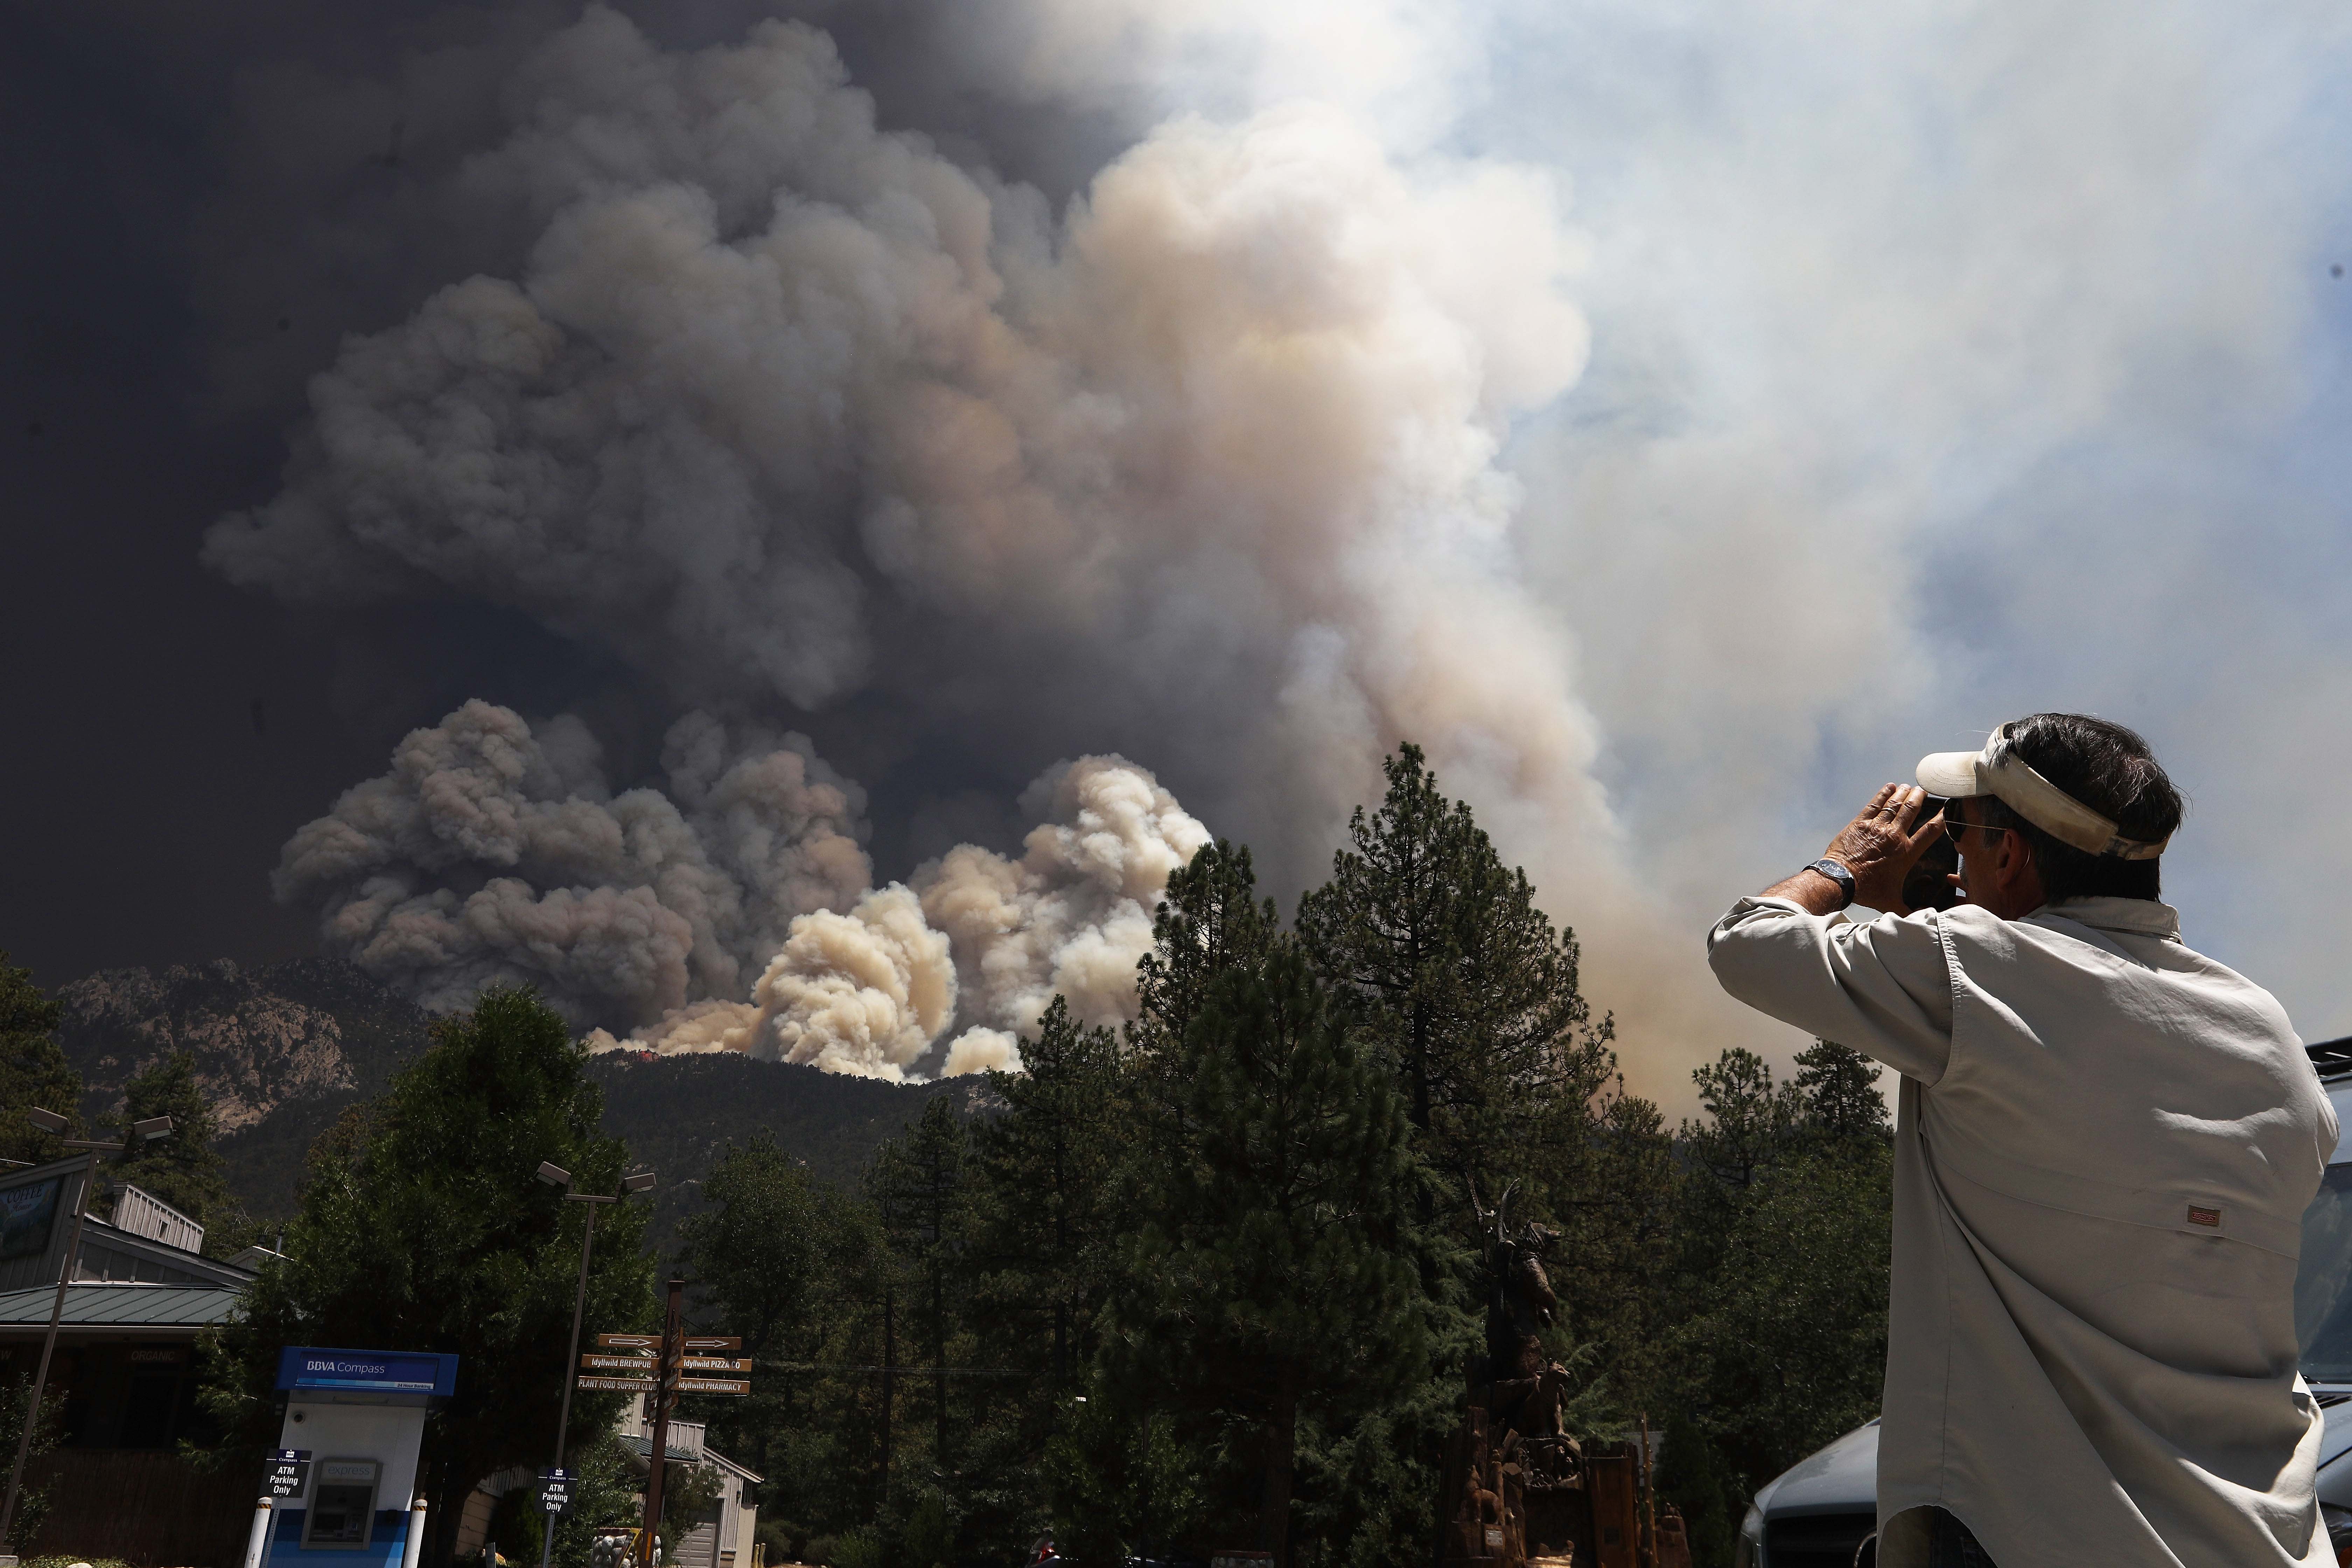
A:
2104,1144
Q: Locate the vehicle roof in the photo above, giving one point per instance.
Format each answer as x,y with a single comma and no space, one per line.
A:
1836,1479
2331,1058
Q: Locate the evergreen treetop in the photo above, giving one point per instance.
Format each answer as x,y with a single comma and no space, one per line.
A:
33,1069
1840,1086
181,1169
1463,980
1044,1224
1209,921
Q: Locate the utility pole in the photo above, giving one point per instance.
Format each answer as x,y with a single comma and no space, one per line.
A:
673,1351
555,1176
145,1131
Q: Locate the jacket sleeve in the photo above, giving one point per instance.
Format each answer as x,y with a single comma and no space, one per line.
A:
1883,989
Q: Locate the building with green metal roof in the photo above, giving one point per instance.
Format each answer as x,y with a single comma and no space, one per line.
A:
125,1370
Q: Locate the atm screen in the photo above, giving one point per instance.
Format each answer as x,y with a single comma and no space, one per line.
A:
342,1504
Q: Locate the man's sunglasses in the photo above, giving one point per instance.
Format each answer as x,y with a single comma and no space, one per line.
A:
1954,828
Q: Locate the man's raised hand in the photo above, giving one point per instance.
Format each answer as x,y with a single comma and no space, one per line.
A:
1881,844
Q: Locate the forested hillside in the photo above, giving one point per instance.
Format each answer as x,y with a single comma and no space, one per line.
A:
280,1051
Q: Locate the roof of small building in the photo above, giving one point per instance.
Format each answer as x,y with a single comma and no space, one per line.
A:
643,1447
119,1305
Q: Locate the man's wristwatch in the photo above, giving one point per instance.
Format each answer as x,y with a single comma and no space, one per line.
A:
1838,874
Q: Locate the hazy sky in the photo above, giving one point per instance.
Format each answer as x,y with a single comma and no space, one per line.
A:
1678,418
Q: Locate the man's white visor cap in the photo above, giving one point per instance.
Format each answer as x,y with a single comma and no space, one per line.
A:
2000,772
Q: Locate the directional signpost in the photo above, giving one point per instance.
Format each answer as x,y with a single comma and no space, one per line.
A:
555,1482
663,1365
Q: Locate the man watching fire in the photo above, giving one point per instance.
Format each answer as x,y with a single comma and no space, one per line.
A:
2105,1142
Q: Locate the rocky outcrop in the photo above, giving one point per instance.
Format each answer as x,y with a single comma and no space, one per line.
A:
308,1029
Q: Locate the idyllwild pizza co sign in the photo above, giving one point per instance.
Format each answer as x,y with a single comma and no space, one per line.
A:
641,1363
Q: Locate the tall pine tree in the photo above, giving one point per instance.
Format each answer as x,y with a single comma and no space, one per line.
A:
1275,1270
1209,923
1042,1244
1842,1105
1462,980
1042,1222
1778,1336
793,1266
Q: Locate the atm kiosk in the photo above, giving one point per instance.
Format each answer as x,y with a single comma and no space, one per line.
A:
358,1418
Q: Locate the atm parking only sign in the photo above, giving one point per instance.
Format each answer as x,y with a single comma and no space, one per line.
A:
288,1472
554,1490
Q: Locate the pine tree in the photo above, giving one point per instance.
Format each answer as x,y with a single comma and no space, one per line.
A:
1614,1195
1276,1271
1778,1335
33,1069
422,1227
1042,1247
181,1169
787,1263
758,1250
1209,923
1464,983
1754,1122
1840,1087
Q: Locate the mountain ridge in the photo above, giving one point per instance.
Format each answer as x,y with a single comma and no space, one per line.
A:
283,1049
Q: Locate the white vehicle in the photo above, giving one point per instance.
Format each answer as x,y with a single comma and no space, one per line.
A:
1820,1513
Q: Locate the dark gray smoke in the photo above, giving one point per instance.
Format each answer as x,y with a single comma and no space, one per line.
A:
493,854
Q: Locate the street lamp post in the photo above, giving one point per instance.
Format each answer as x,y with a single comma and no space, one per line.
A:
145,1131
555,1176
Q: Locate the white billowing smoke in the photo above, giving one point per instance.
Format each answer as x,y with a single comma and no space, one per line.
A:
989,942
493,854
866,992
1072,916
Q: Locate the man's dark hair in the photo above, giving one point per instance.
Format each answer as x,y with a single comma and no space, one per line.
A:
2109,768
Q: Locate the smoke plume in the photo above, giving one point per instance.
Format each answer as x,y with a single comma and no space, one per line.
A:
1072,916
494,853
491,854
988,944
1274,444
783,406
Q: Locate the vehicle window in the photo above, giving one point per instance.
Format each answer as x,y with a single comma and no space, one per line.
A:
2323,1303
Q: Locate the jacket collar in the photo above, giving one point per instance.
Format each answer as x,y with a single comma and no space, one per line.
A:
2133,917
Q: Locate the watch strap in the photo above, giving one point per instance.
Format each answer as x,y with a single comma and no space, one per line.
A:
1835,873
